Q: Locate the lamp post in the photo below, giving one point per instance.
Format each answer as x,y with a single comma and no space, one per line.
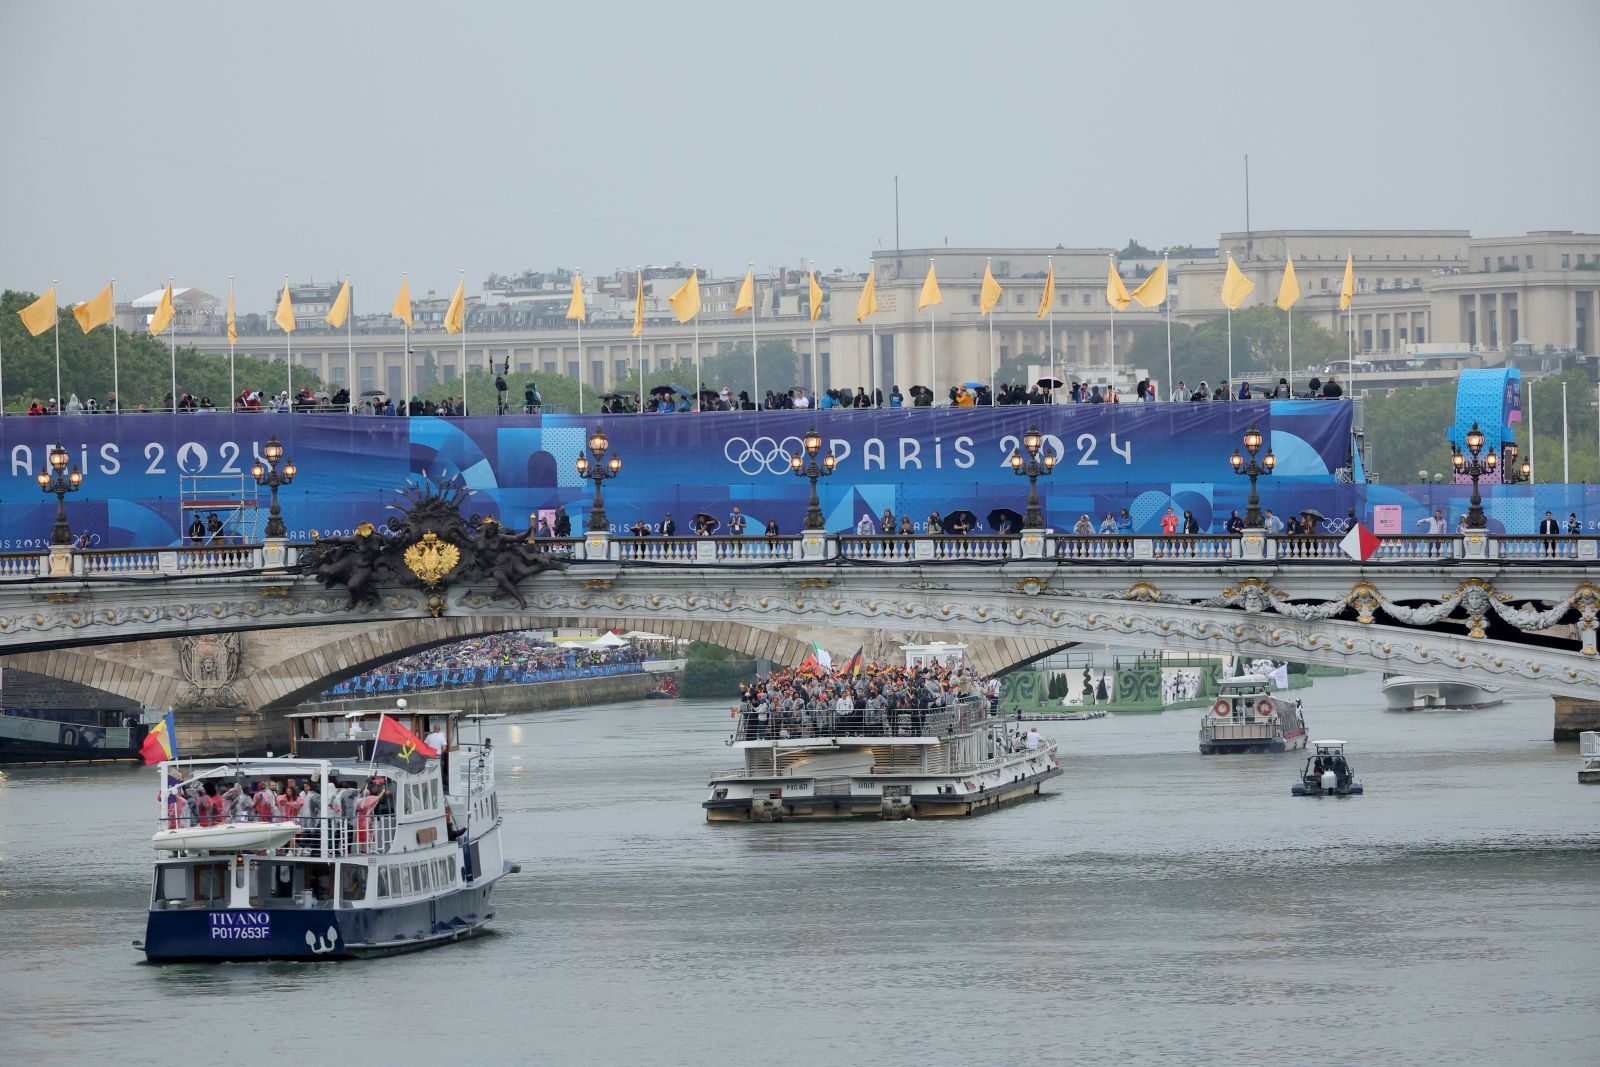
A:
1031,468
1474,465
56,479
1253,469
272,476
597,471
808,466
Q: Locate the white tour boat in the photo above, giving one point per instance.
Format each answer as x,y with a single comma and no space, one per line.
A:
385,858
1403,692
1248,718
952,760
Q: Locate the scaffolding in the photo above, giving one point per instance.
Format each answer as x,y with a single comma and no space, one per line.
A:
233,498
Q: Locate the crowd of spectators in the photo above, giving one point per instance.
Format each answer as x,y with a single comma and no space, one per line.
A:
856,698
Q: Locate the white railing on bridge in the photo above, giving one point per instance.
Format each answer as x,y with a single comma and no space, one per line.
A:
891,549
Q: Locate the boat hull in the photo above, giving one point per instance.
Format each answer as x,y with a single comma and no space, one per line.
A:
873,806
232,934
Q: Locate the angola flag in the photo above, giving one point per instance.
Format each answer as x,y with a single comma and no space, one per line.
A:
400,747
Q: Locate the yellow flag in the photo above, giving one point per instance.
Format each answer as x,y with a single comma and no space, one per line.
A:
40,315
455,316
1152,292
686,300
1235,286
1347,291
1289,288
1116,292
285,316
97,312
576,308
1048,298
815,293
747,294
164,312
867,303
638,307
340,312
402,303
989,295
930,291
233,322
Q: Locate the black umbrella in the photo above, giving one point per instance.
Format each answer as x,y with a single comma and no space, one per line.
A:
1314,513
708,522
613,396
681,391
1000,516
960,522
1049,383
660,389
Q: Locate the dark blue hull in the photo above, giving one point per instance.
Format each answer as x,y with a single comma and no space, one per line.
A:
316,933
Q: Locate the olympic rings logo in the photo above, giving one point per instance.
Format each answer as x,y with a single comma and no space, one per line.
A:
761,454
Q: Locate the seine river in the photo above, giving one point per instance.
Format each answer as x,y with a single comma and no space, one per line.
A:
1158,907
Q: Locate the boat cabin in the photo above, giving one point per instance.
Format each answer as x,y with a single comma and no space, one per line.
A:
349,734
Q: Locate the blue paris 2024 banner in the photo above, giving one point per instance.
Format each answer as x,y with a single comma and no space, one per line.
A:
147,477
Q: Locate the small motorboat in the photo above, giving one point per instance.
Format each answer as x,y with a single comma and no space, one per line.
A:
666,689
1327,773
226,837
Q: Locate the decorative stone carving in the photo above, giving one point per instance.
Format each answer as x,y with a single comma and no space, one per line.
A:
210,665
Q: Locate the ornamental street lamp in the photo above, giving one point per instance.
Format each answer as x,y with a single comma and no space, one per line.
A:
1474,466
1031,468
807,466
597,471
1512,472
1253,469
272,476
56,479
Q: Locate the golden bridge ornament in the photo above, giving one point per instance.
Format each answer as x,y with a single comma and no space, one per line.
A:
430,559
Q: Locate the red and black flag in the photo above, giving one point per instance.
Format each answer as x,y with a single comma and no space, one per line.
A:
400,747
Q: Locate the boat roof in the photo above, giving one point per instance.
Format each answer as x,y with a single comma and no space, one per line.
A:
1328,744
367,713
1246,679
842,741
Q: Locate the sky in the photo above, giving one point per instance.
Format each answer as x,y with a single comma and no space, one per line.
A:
206,140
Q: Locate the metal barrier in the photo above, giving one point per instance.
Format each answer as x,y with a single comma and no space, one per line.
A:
942,721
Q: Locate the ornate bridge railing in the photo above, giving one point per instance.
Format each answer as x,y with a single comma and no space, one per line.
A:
761,551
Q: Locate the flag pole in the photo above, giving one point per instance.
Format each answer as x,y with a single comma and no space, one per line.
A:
1289,258
116,386
61,401
1533,474
1350,338
1167,300
1050,266
699,400
1230,344
579,276
172,350
464,389
1566,470
1111,374
233,388
990,317
755,371
349,350
3,391
288,356
406,357
816,360
933,345
640,358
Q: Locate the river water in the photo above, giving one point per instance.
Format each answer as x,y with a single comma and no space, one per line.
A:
1155,907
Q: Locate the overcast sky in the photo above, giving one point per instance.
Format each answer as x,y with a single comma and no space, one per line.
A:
311,139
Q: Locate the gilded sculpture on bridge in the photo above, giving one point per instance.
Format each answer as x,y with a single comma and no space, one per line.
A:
428,544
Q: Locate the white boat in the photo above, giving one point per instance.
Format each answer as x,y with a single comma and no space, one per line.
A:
226,837
1327,773
1403,692
409,865
1589,753
954,760
1247,717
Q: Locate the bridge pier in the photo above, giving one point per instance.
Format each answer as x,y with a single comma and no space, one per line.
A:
1574,715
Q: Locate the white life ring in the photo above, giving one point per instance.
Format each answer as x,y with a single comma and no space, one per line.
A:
1221,709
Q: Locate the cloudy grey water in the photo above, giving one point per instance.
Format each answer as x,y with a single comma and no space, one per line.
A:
1157,907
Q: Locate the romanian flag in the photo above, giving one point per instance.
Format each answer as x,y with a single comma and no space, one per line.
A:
400,747
161,743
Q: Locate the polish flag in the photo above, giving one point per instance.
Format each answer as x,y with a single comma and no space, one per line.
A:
1360,543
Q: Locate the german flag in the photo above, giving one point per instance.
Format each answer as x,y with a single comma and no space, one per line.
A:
853,666
401,748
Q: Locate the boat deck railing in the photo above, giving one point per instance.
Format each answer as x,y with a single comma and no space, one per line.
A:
943,721
326,837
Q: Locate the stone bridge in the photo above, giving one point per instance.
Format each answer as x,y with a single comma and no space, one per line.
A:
241,628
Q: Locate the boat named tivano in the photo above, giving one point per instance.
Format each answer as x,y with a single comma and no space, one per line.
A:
356,844
956,759
1247,718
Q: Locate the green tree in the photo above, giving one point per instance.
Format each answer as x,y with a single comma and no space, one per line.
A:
1134,250
143,365
713,671
777,362
1260,349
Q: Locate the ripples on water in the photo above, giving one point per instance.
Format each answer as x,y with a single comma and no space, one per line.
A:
1156,907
